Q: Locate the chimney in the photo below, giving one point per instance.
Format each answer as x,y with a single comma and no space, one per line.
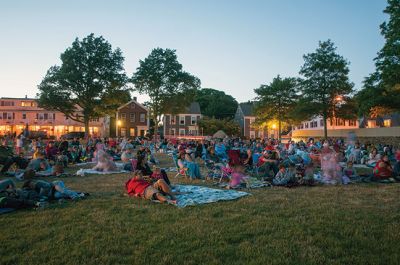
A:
135,98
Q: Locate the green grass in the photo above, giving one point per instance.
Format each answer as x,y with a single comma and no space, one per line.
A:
356,224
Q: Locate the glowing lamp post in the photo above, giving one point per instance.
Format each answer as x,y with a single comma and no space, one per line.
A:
119,123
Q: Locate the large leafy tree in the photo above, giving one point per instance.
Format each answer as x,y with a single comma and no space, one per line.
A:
215,103
90,82
276,101
326,84
169,88
209,126
382,88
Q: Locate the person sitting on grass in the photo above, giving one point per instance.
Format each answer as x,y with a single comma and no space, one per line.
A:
383,170
139,187
280,177
238,177
105,162
159,173
348,173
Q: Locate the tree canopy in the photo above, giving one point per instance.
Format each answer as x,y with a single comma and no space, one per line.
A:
382,88
209,126
169,88
90,82
215,103
276,100
326,84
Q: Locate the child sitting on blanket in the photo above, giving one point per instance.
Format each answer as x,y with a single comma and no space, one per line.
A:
348,173
238,177
308,178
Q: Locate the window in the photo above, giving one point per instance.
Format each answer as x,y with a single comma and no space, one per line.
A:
94,120
142,117
27,104
7,103
173,120
123,132
123,116
24,116
371,124
306,125
321,123
181,120
193,132
387,123
8,115
172,131
132,117
181,132
193,120
339,122
132,132
352,122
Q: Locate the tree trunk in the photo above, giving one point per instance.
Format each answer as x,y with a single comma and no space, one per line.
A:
325,127
279,129
86,122
155,129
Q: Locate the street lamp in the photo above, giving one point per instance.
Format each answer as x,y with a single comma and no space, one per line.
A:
118,125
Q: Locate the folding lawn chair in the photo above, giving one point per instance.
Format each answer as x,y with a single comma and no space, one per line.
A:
181,171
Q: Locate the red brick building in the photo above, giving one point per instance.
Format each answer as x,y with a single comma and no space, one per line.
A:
132,119
183,124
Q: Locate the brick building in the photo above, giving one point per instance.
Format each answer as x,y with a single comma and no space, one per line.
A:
183,124
17,113
132,119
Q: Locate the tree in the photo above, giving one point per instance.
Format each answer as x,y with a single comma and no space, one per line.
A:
169,88
326,83
215,103
382,88
90,82
276,100
209,126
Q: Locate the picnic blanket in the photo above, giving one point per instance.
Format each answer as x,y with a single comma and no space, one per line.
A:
82,172
343,164
6,210
195,195
251,183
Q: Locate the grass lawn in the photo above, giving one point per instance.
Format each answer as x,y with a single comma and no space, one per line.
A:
355,224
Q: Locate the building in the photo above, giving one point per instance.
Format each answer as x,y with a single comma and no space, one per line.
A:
333,124
17,113
245,117
388,120
184,125
132,119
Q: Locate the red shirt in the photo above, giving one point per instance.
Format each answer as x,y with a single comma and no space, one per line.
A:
136,187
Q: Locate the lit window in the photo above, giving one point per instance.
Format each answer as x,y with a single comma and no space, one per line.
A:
387,123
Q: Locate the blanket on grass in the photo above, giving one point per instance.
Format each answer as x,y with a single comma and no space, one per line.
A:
195,195
82,172
251,183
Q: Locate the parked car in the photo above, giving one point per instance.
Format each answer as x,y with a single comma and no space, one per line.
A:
72,135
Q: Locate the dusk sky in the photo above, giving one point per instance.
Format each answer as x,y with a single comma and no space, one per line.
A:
231,45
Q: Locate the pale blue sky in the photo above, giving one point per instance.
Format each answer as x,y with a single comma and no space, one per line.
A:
232,46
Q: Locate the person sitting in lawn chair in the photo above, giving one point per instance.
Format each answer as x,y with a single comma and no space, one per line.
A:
193,169
139,187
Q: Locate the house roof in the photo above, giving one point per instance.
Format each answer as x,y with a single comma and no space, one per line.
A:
126,104
26,98
194,108
247,108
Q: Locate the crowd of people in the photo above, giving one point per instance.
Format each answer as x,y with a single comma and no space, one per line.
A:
280,164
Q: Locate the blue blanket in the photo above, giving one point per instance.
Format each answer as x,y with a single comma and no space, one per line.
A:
200,195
